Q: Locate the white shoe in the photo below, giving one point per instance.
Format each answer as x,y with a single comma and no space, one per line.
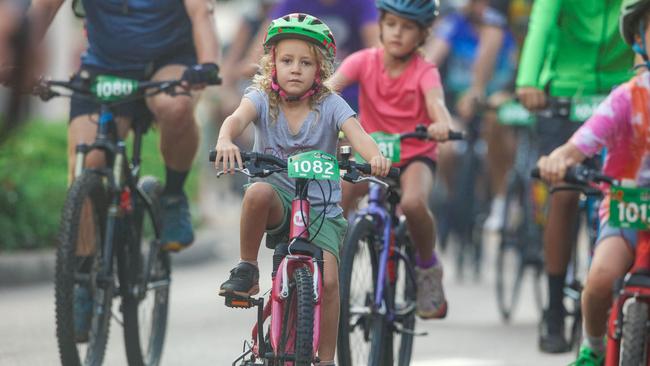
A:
431,302
494,222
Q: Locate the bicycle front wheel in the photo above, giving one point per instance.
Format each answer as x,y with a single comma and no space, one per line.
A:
83,298
404,303
145,301
298,320
357,276
509,264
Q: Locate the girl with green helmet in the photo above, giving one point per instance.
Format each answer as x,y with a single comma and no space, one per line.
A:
293,111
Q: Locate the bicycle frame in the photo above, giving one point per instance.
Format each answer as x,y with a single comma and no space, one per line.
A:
122,182
386,222
274,308
636,287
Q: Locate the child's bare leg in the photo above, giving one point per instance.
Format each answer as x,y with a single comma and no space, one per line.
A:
416,182
329,309
611,260
261,210
351,195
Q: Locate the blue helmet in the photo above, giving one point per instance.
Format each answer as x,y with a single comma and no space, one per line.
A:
421,11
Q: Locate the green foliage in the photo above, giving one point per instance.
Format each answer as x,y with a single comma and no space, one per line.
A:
33,182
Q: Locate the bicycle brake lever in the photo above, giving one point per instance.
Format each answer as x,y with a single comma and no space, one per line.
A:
372,179
237,170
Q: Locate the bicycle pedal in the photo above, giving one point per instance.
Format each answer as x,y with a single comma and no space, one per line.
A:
240,302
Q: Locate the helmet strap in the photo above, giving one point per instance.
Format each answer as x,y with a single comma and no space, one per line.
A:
642,48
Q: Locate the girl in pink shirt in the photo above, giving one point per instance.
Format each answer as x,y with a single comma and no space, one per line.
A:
398,90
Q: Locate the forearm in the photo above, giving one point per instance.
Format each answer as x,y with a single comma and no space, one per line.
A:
231,128
491,41
569,152
41,14
542,20
204,33
366,147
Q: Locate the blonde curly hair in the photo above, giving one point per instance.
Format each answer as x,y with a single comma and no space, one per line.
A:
264,78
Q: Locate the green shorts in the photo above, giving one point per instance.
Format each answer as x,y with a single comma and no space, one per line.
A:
329,238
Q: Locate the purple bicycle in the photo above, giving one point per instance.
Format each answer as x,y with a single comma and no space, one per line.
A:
377,277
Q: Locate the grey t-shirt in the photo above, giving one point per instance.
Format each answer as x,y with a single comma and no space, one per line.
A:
318,132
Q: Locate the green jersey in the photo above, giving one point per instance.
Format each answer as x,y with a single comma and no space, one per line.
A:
574,48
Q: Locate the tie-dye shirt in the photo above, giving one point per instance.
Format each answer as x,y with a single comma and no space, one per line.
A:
622,125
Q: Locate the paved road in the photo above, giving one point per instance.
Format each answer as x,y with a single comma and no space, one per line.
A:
202,331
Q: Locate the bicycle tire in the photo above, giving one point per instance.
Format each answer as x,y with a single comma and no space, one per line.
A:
87,198
510,248
469,213
298,320
144,327
405,305
357,276
635,336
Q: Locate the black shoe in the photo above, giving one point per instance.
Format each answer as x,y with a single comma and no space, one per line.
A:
243,281
551,334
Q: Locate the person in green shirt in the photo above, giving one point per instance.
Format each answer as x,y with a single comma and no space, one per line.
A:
572,48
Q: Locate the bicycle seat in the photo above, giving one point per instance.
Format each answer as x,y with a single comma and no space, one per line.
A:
299,246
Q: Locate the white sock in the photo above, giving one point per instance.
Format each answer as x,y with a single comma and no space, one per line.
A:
596,344
249,262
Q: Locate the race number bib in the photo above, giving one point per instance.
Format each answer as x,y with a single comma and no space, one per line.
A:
389,144
314,165
583,107
110,88
514,114
629,208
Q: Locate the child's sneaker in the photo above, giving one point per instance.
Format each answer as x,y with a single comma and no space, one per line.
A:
243,281
431,302
588,357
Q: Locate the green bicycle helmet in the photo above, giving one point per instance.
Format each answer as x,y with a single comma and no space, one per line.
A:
302,26
631,13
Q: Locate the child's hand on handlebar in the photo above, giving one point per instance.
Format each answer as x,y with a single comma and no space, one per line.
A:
439,131
229,153
380,165
552,168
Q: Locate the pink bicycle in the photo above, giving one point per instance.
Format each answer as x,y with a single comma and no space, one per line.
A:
292,337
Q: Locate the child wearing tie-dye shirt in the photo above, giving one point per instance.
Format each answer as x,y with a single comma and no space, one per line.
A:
621,124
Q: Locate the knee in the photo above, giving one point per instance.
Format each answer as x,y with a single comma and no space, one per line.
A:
414,206
600,284
175,114
259,195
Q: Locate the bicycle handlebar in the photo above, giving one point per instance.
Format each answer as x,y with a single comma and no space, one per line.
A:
422,134
581,175
282,164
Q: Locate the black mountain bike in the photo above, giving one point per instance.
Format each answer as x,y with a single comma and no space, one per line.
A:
109,239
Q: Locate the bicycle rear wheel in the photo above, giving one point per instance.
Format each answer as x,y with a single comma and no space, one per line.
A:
145,300
78,264
509,264
298,320
357,276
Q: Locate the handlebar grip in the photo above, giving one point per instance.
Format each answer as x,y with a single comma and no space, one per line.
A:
367,169
535,173
456,135
394,173
213,155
